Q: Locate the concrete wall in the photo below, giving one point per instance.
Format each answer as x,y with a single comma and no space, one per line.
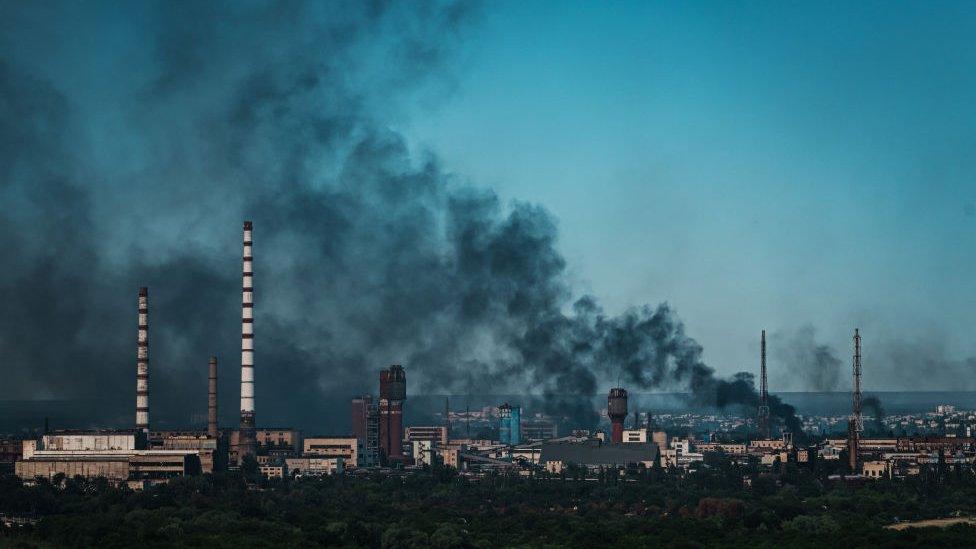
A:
89,442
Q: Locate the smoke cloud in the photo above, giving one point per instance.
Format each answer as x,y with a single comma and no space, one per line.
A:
871,406
135,139
924,365
802,363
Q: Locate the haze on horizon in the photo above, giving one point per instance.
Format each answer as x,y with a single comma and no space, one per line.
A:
441,184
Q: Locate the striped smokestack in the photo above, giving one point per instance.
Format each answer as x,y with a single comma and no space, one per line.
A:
212,399
142,363
246,441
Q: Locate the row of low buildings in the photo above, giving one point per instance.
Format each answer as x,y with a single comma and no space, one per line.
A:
905,456
136,459
119,456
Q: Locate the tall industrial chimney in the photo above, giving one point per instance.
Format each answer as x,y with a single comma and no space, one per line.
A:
393,391
763,392
617,410
247,444
142,363
212,399
856,424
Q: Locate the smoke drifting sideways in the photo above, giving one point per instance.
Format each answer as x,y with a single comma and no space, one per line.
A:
925,364
185,118
807,365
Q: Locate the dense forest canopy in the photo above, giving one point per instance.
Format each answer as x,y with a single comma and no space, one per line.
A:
791,507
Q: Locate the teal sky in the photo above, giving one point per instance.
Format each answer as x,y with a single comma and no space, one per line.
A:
758,165
800,168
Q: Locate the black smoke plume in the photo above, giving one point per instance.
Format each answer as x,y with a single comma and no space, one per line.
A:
872,406
134,139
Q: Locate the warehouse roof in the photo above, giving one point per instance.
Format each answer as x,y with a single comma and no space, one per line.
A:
594,452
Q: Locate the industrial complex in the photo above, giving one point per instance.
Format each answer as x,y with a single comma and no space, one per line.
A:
516,442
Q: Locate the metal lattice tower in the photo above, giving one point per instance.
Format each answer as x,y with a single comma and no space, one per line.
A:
856,408
763,391
855,424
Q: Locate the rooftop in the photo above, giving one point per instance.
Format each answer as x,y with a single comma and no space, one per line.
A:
595,452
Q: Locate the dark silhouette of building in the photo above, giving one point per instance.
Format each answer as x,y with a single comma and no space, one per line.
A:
393,391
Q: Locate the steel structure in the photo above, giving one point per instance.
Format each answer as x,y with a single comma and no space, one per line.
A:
212,399
855,426
764,427
856,404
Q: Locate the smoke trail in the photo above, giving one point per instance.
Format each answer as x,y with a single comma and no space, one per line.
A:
197,115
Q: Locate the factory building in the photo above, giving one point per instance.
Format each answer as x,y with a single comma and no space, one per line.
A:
207,447
278,440
527,453
631,436
433,433
393,391
873,444
877,469
933,444
11,449
510,424
115,468
450,456
314,466
680,454
555,456
724,447
89,440
422,452
365,426
271,470
758,446
119,456
539,429
274,441
346,447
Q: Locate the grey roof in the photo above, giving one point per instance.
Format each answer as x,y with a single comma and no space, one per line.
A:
597,453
